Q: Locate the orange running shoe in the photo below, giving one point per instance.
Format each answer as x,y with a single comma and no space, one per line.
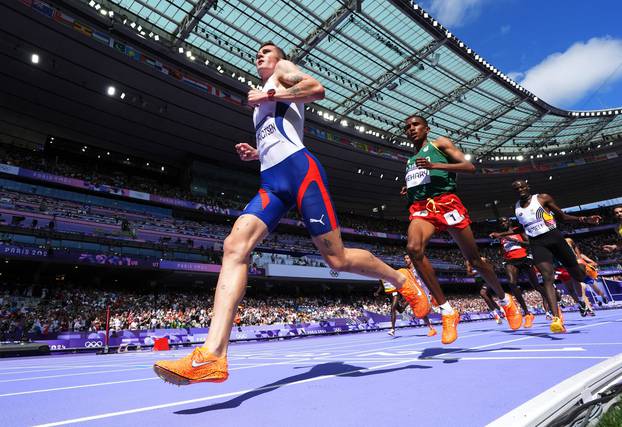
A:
414,294
432,332
512,314
197,367
450,327
529,318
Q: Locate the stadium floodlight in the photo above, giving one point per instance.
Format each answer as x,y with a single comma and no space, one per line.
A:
139,28
107,153
381,175
156,37
207,62
468,157
461,44
162,168
180,50
550,177
103,12
469,50
133,24
111,91
122,96
97,6
396,178
520,158
34,58
344,123
188,53
92,3
448,35
111,14
535,98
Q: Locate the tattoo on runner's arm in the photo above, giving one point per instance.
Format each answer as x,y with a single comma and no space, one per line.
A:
292,78
294,90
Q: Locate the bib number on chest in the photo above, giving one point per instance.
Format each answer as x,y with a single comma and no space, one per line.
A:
453,217
417,177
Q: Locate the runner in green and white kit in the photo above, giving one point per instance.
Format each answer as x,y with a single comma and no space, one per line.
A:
434,207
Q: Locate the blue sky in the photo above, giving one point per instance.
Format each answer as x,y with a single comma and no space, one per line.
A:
569,53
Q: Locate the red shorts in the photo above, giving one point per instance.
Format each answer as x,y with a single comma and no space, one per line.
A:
562,274
444,211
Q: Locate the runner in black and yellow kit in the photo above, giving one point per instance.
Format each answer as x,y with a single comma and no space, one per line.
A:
430,188
617,213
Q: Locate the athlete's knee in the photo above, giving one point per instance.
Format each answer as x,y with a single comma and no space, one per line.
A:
416,250
236,248
337,262
477,262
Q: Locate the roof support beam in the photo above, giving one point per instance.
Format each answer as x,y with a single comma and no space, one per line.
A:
587,135
510,133
454,95
297,54
486,120
545,137
191,20
358,98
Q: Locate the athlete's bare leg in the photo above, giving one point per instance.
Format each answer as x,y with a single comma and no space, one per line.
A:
246,233
548,276
584,297
353,260
419,234
533,280
512,272
466,242
492,305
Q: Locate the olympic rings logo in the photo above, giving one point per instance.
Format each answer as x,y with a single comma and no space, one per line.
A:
93,344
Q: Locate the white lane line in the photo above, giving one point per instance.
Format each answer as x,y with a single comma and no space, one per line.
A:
527,350
167,405
530,357
19,393
217,396
69,375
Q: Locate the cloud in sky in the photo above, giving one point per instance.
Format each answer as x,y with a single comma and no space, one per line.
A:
454,13
563,78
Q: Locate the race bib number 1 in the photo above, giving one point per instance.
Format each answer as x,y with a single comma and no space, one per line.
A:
453,217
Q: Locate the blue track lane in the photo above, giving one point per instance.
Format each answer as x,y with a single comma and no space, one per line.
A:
362,379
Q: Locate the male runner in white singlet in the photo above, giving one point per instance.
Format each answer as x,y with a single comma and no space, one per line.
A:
290,176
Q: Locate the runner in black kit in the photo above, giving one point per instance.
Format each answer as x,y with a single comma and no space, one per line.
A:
537,214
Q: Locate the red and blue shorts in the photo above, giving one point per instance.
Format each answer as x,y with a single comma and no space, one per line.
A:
444,211
299,181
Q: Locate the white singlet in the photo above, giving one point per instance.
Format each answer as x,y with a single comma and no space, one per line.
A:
279,128
534,218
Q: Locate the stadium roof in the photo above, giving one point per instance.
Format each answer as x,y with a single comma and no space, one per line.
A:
379,61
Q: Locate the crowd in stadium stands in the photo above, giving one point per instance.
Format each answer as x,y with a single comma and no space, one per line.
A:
113,176
41,310
189,231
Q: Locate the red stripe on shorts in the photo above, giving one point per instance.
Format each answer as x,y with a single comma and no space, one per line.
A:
313,175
